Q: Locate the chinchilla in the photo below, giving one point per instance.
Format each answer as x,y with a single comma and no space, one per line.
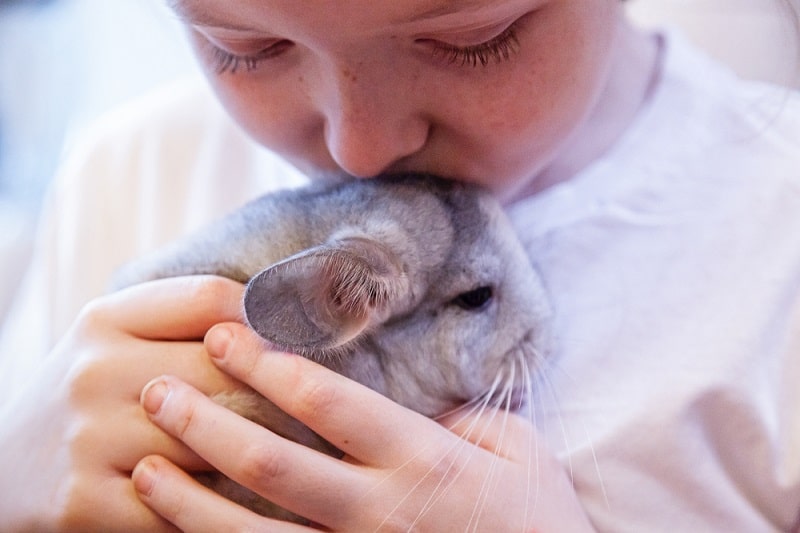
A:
410,284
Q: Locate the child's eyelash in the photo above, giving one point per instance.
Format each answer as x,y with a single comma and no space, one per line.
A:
498,49
225,61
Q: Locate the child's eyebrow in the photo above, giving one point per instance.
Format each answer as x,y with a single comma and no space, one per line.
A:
194,13
439,8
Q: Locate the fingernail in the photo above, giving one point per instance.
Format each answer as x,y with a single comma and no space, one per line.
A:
144,477
217,341
154,394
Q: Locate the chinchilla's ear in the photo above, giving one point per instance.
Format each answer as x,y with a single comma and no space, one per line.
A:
325,296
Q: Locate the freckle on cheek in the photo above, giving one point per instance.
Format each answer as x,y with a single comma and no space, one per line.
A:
347,73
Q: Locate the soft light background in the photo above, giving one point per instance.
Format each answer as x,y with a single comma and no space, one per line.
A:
63,62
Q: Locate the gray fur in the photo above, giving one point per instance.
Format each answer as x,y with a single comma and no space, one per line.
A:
364,278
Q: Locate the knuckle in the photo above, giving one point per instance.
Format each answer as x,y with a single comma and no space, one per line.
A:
93,317
260,467
84,379
211,292
314,398
247,366
185,420
442,465
69,514
92,364
82,438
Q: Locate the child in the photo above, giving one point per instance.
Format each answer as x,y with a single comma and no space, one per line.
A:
657,194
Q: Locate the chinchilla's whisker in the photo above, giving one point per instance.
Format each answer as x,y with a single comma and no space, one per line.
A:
586,435
441,488
472,403
468,406
551,389
476,408
466,439
556,403
547,386
532,451
486,486
597,467
401,501
478,405
537,383
475,405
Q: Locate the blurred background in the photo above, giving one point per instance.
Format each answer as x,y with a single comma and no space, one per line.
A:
64,62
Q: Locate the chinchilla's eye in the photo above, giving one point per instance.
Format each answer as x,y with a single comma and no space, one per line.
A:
474,300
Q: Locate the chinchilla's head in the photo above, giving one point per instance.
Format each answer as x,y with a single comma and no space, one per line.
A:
434,304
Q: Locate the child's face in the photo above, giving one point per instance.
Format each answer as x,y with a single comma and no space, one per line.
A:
479,90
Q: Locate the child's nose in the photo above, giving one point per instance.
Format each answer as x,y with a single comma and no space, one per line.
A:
365,147
370,127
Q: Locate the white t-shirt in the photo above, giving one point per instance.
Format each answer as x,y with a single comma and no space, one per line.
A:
672,263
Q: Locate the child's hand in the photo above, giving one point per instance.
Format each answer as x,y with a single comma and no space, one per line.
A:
401,469
71,440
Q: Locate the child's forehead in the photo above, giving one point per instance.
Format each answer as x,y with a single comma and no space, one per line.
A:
222,13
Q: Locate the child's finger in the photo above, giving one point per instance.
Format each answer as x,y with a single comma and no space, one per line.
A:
359,421
180,308
190,506
286,473
503,433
